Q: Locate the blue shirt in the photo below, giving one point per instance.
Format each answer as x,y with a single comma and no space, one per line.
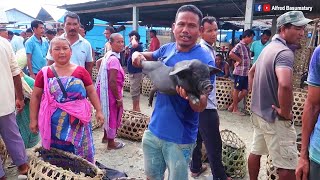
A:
38,50
256,48
314,80
81,52
173,119
131,68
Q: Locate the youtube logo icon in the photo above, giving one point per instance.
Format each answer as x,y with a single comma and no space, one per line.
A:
266,8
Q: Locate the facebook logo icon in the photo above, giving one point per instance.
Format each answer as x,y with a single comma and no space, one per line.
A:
258,7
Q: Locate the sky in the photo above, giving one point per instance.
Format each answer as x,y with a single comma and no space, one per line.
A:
32,7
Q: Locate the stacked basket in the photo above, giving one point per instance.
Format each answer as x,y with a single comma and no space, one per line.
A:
299,98
146,85
224,89
126,86
133,125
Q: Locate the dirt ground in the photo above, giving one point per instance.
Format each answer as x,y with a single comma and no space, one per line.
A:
130,158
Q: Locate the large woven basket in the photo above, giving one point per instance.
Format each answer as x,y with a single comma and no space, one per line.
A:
272,173
302,56
224,89
3,151
133,125
126,86
299,98
146,85
57,164
233,154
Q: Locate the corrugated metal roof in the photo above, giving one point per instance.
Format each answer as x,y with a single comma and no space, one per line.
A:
3,17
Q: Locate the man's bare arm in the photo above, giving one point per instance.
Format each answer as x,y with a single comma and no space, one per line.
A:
29,64
89,66
285,94
233,56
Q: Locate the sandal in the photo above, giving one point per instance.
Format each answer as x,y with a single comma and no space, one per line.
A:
119,146
202,170
230,108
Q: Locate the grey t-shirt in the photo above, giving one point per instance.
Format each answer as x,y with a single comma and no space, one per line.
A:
265,83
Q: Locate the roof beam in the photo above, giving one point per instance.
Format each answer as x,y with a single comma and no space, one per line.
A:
158,3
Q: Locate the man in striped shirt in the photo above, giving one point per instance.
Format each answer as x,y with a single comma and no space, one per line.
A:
241,54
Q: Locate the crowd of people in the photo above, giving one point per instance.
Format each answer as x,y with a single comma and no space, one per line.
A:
52,92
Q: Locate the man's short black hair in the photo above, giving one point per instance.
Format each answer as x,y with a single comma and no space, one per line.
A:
135,33
221,56
267,32
110,29
154,32
190,8
51,32
71,15
248,33
29,30
60,29
10,33
35,23
208,19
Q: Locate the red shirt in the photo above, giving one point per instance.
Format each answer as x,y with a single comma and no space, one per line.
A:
79,72
154,44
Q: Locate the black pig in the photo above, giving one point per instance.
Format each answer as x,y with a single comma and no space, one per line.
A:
191,75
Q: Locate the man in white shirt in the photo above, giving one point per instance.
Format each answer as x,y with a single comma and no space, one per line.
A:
11,98
81,48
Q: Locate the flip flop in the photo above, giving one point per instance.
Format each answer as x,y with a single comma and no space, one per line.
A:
239,113
119,146
202,170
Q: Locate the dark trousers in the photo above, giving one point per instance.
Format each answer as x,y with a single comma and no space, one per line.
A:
209,133
314,173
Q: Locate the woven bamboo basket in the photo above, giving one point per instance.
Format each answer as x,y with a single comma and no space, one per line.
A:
95,71
302,56
299,98
126,86
224,89
146,85
57,164
233,154
248,103
272,173
133,125
3,151
298,142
